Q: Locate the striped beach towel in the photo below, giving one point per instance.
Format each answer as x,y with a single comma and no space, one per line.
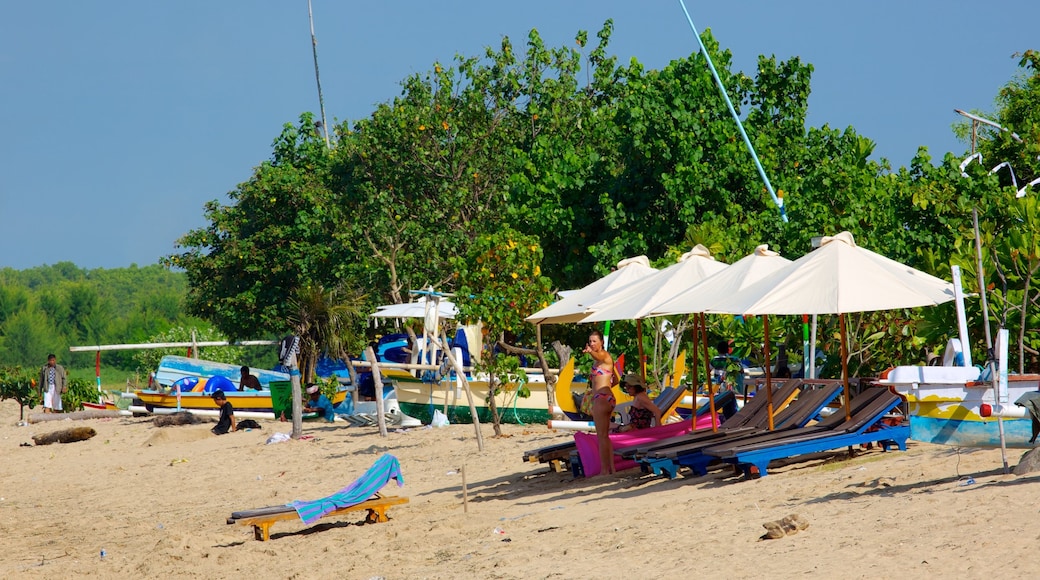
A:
382,471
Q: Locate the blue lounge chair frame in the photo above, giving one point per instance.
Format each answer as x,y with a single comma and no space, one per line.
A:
750,418
807,407
559,454
864,426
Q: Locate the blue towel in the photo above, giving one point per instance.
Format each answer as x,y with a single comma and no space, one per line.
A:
382,471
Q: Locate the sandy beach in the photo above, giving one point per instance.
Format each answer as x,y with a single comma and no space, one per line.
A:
156,501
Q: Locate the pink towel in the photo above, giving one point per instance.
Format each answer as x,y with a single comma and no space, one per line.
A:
588,447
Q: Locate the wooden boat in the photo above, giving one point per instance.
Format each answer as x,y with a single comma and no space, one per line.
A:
419,399
195,380
173,368
950,405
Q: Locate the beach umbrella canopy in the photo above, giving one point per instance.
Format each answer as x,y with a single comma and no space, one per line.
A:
639,299
575,307
417,309
725,283
837,278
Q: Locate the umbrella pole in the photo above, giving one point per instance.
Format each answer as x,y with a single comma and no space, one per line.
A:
769,375
695,336
707,372
845,364
639,339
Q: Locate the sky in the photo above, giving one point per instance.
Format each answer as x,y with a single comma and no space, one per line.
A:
119,120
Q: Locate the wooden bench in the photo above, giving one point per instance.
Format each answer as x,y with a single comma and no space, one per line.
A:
263,518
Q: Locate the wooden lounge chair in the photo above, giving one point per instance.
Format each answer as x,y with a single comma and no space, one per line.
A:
263,518
747,419
558,456
362,494
866,425
807,407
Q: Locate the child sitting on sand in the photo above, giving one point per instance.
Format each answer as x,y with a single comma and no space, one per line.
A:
227,414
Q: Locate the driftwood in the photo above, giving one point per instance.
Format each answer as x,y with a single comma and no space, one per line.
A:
788,526
75,416
179,418
65,436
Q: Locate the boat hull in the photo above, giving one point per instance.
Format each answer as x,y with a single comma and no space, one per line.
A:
947,411
419,399
258,401
171,368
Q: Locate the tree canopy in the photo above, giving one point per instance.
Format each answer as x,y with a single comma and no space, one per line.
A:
595,161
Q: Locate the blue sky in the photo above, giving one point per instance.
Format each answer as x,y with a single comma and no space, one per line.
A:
120,119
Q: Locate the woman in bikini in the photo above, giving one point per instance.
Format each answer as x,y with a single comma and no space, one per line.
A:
644,413
602,378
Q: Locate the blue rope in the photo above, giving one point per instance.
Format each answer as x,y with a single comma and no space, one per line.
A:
779,201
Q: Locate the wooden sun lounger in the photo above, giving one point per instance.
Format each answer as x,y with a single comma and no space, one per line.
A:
263,518
560,455
866,425
806,407
745,420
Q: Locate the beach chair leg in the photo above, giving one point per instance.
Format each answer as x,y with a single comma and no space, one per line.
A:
262,531
376,515
666,468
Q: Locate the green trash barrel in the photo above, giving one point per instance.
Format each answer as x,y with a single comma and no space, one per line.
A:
281,398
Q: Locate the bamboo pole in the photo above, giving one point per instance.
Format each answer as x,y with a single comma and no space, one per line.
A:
769,375
845,365
642,356
707,373
695,332
469,393
380,419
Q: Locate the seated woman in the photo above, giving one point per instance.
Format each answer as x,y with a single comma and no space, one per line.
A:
644,413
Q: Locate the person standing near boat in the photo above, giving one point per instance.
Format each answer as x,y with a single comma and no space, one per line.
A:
226,422
53,384
249,381
602,379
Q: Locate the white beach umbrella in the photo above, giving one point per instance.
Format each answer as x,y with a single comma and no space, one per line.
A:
575,306
741,274
700,298
838,278
639,299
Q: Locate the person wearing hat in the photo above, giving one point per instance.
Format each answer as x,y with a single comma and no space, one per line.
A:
53,384
226,422
644,413
319,403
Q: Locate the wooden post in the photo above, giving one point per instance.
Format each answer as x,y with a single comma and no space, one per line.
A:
465,492
695,332
642,356
550,379
707,373
769,377
845,364
457,365
380,418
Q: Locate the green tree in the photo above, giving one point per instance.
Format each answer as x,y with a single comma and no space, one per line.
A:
329,320
281,233
501,277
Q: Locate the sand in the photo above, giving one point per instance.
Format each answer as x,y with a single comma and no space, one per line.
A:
156,501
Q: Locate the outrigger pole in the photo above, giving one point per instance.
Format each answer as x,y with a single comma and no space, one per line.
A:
779,201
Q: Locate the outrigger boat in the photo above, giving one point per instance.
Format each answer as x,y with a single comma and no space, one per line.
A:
188,383
962,405
959,406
